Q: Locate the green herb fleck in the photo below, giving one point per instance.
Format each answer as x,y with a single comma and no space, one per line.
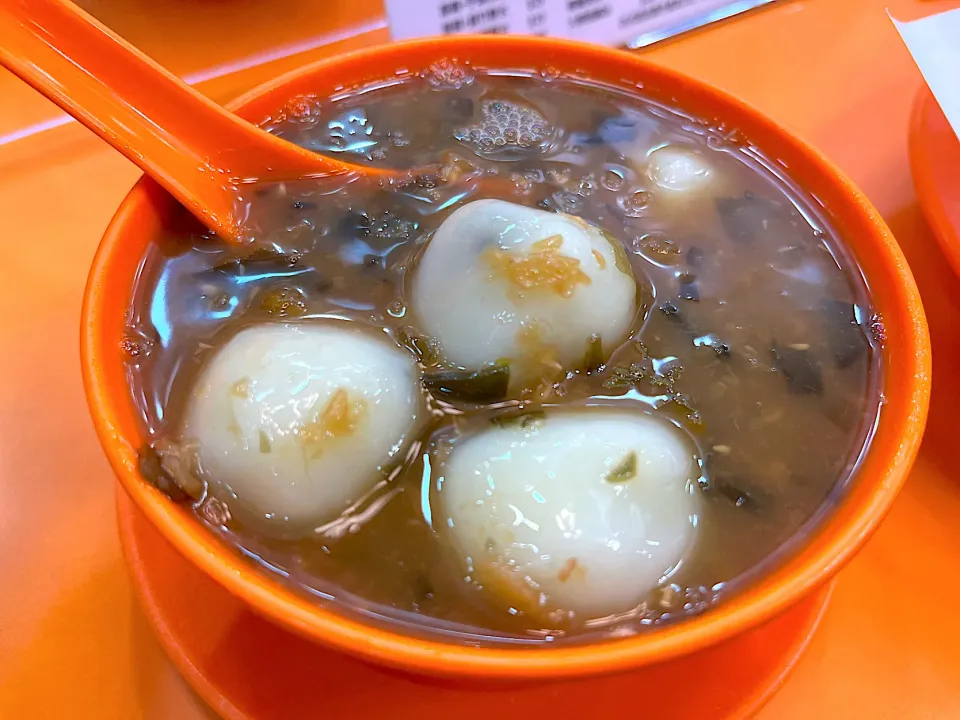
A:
261,260
527,421
264,443
427,349
593,359
532,421
620,257
488,385
625,470
284,302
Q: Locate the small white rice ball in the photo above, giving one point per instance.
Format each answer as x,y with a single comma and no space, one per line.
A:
580,511
293,422
679,170
505,282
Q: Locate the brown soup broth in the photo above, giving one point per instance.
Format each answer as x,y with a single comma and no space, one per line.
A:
754,333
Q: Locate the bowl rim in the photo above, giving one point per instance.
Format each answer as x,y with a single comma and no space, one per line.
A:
777,590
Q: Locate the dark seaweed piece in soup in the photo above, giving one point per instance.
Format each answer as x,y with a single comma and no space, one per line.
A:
743,335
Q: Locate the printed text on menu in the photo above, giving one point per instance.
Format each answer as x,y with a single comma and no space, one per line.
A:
610,22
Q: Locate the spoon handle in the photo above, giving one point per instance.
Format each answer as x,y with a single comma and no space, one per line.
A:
193,147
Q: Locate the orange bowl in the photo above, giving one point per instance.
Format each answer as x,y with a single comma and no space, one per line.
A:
832,542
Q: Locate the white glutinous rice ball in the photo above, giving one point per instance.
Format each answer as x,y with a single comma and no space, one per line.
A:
293,422
680,170
501,282
581,512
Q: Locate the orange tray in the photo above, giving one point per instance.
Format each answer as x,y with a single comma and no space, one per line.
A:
74,642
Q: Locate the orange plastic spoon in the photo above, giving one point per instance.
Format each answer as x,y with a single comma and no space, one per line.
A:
198,151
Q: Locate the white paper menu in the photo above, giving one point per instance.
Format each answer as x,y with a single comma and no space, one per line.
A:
934,43
609,22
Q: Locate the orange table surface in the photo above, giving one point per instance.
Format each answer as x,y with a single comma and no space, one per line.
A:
73,643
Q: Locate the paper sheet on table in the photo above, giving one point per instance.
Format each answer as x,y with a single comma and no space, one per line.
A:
610,22
934,43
